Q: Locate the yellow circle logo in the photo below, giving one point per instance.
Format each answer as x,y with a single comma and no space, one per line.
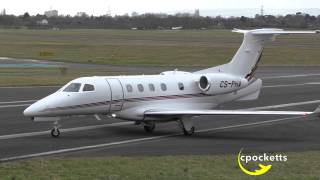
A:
263,168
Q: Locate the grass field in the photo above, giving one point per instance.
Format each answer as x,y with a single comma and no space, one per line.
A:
299,166
46,76
151,48
137,48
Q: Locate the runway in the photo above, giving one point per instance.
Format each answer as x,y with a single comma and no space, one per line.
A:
285,88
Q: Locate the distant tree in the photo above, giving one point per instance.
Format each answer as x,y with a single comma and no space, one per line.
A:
26,16
161,21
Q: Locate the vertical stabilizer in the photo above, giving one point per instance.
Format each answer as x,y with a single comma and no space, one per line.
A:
245,61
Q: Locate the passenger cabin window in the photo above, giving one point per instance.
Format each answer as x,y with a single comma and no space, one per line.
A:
73,87
151,87
88,87
129,88
163,87
181,86
140,87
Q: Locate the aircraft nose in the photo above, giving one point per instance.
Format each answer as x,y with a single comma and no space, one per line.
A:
31,111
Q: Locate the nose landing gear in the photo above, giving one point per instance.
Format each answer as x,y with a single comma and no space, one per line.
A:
55,132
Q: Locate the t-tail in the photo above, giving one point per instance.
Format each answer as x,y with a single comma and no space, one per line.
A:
244,63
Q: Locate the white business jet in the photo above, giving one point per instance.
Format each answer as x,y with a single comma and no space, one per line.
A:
171,96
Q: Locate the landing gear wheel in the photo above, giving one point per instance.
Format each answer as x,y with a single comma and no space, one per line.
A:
189,132
55,132
149,127
186,124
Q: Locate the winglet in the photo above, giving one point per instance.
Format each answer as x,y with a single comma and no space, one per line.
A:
316,112
240,30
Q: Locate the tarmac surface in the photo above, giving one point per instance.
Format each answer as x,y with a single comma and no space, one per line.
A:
285,88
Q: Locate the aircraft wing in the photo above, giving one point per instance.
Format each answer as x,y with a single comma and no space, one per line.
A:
227,112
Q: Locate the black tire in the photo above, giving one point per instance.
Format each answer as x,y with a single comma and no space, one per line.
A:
149,127
55,133
188,132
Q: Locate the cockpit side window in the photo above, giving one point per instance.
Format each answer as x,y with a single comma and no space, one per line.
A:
73,87
88,87
181,86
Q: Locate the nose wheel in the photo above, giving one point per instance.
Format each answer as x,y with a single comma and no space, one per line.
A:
55,132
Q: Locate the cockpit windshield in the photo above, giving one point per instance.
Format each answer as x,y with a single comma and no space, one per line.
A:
73,87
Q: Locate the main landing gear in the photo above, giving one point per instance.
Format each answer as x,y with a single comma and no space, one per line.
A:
149,127
55,132
186,124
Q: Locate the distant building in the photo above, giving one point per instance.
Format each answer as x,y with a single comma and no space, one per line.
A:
185,14
197,13
82,14
43,22
3,12
51,13
134,14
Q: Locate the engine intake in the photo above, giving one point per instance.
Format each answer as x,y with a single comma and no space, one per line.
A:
204,83
217,83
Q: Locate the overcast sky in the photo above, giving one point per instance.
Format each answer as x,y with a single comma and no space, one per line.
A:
100,7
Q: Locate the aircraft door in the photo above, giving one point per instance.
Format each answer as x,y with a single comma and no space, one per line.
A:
116,90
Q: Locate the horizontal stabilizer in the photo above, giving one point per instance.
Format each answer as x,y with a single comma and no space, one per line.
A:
273,31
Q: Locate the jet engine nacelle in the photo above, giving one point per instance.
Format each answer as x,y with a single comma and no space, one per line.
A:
217,83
